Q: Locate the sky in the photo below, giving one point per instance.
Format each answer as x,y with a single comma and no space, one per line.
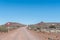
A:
29,11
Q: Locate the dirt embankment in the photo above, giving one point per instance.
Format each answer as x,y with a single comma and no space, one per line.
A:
46,36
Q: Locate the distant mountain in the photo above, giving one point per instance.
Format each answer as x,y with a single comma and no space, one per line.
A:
14,24
47,24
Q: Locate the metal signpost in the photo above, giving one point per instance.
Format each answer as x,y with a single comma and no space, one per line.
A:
8,26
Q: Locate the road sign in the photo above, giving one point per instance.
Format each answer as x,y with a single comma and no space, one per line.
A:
8,24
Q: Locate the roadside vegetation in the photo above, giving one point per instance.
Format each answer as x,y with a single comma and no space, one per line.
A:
9,26
33,27
5,28
48,29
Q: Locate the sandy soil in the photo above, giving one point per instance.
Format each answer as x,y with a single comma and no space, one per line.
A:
19,34
45,36
24,34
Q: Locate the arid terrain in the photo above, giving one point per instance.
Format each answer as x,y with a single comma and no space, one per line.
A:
24,34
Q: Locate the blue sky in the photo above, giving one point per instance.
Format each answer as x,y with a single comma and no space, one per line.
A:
29,11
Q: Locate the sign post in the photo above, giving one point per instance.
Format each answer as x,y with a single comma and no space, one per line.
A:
8,26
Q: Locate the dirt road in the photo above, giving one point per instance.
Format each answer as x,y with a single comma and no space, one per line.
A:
20,34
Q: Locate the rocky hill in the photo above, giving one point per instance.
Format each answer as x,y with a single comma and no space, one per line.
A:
10,26
14,24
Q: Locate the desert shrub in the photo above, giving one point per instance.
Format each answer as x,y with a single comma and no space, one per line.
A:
35,28
18,26
52,26
3,29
